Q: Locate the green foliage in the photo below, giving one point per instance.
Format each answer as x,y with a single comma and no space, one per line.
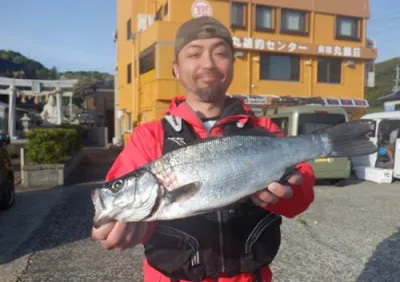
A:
384,78
35,70
53,145
32,68
77,142
89,82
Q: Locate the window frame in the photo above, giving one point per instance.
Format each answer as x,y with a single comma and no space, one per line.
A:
358,28
129,73
293,77
244,14
166,9
273,18
328,70
159,14
129,29
285,30
147,54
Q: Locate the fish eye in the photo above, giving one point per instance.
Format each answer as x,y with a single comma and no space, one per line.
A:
116,186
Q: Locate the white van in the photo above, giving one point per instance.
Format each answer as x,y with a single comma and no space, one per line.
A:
384,165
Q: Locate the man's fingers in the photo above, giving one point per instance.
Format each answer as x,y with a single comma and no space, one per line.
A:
295,179
123,236
281,191
101,233
268,197
116,236
256,199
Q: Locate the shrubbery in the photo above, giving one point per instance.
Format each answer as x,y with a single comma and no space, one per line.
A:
53,145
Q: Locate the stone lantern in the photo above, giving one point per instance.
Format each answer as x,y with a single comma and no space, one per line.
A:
25,123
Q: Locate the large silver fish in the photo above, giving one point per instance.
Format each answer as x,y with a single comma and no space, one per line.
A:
217,172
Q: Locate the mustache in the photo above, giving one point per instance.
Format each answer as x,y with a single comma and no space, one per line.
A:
208,73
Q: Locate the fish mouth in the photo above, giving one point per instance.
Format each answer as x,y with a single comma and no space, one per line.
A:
99,218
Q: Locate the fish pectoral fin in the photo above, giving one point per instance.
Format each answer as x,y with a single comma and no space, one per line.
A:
183,193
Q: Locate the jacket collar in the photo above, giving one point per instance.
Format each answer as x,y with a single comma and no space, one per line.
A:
234,110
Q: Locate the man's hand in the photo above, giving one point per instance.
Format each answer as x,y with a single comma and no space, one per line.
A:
276,191
119,236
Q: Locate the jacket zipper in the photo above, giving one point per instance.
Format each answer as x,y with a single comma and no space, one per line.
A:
219,213
220,223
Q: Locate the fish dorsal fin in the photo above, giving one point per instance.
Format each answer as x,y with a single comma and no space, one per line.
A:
183,193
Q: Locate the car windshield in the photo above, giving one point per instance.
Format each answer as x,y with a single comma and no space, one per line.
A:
315,121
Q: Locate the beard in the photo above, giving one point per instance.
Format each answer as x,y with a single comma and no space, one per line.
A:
210,94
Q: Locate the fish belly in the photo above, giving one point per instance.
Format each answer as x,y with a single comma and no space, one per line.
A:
226,173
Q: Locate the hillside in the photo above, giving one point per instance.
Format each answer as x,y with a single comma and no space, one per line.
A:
384,80
14,64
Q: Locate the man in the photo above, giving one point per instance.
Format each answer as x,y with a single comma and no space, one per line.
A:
236,243
391,147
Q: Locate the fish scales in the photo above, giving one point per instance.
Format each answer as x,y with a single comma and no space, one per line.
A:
231,168
215,173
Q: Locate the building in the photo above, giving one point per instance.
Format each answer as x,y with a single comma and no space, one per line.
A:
306,48
101,103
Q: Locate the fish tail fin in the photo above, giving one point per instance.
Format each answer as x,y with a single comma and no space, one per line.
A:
349,139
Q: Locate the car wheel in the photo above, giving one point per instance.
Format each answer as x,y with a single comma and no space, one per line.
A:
9,195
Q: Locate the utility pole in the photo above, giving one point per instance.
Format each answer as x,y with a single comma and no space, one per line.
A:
396,87
117,130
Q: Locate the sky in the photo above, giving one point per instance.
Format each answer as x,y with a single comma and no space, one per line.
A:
68,34
77,34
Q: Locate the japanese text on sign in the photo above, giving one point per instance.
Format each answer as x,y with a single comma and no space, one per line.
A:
276,45
270,45
339,51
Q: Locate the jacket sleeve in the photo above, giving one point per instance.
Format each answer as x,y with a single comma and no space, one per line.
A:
142,147
303,194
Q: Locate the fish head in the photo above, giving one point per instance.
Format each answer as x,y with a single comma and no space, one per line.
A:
130,198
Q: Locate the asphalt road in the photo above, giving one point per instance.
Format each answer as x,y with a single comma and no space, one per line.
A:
349,234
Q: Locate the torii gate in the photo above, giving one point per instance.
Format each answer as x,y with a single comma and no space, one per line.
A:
35,85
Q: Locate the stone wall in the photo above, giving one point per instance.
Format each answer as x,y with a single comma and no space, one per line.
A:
49,175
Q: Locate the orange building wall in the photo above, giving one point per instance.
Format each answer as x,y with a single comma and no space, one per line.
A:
147,96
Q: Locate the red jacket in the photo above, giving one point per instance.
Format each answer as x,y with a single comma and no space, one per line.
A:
145,145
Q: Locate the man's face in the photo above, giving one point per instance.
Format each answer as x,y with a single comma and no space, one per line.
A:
204,68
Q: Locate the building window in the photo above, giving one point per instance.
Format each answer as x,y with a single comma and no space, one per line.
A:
147,60
279,67
293,21
238,15
166,9
264,18
129,121
329,70
347,28
129,73
129,29
159,14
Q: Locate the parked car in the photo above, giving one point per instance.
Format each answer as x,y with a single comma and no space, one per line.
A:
303,119
7,187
